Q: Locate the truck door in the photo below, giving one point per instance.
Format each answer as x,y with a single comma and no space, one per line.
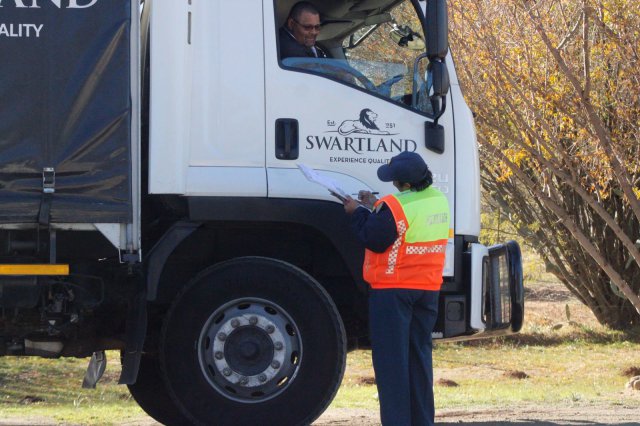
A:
207,98
348,114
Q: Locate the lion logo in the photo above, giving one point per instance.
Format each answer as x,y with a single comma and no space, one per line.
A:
365,124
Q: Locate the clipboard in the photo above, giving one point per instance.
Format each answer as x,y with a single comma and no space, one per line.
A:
338,196
331,185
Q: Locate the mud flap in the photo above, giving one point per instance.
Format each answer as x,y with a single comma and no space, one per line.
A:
136,332
95,370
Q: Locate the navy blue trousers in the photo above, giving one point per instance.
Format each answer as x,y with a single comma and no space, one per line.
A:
401,323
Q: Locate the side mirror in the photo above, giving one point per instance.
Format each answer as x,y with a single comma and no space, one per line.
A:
438,85
437,29
438,76
438,82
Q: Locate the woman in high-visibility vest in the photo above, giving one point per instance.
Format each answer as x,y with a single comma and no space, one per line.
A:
405,236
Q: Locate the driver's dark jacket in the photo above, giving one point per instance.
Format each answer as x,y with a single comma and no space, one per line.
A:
290,48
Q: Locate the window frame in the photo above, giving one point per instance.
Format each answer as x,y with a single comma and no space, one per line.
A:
282,66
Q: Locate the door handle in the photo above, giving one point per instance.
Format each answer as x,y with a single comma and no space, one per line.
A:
287,139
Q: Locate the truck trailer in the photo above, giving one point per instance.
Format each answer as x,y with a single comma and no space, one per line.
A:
151,200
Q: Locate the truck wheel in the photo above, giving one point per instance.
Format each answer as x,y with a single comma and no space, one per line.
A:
253,341
150,393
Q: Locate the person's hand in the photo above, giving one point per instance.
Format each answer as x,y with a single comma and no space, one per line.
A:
350,205
367,199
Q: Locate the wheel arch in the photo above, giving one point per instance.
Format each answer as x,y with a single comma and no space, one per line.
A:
311,235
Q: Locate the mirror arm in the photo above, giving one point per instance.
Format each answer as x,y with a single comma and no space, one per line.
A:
414,92
436,105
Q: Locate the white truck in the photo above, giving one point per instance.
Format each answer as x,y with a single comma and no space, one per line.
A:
151,201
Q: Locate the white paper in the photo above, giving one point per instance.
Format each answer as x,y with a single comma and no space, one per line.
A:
315,177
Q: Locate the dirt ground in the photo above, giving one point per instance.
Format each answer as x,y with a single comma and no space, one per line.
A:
587,415
526,415
529,415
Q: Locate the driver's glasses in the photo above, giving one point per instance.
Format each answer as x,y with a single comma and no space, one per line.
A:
308,27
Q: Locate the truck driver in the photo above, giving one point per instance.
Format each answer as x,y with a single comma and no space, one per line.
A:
298,34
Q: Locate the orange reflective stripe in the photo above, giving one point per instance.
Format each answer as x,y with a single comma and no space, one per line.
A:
396,208
401,227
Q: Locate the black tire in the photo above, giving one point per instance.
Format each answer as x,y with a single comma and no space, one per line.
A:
282,356
152,396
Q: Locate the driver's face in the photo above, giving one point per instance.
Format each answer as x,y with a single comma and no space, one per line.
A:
306,28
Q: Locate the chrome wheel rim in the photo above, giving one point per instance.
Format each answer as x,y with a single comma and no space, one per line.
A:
250,350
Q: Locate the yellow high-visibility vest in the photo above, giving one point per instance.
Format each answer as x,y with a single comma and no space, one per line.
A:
416,259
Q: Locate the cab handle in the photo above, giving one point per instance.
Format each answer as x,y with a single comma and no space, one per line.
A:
287,139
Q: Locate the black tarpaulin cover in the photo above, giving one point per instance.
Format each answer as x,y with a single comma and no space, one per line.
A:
65,103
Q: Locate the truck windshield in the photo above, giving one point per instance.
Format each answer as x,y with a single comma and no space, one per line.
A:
378,58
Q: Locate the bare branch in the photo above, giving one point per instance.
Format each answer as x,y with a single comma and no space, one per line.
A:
571,34
586,51
571,226
594,119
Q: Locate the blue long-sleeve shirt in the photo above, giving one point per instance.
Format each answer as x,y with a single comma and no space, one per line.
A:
376,230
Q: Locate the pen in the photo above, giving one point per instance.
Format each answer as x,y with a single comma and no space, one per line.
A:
373,193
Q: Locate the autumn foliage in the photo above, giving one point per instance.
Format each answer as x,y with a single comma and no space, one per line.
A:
555,88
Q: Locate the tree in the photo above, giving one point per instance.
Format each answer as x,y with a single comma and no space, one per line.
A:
554,86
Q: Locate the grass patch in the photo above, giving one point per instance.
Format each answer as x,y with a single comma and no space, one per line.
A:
493,374
50,389
554,361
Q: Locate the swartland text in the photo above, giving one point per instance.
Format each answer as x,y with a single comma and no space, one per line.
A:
360,145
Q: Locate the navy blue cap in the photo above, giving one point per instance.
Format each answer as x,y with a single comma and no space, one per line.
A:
406,167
